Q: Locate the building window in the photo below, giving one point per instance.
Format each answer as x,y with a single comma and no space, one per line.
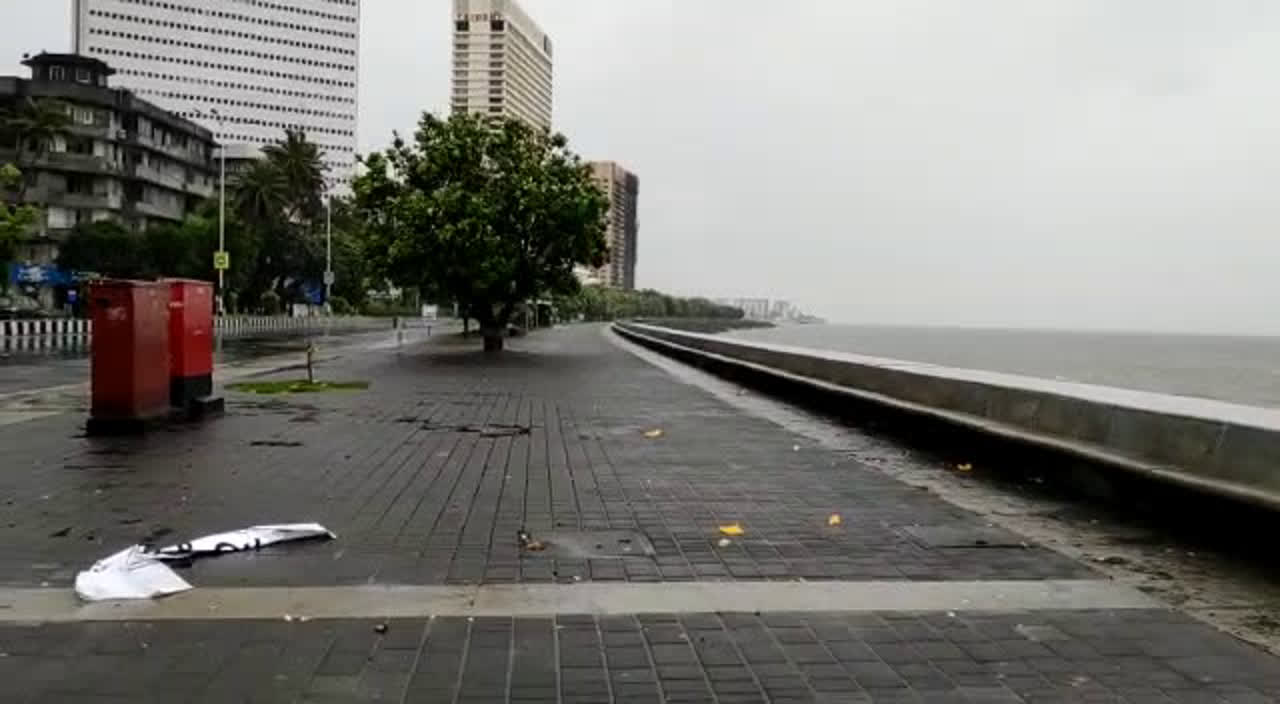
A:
83,75
57,73
462,26
497,25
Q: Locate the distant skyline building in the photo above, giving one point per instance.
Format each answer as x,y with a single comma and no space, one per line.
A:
263,66
622,189
502,62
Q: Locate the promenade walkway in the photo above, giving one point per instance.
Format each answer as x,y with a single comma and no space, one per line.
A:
426,595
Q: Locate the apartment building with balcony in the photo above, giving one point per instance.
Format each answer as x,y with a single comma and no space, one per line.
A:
121,158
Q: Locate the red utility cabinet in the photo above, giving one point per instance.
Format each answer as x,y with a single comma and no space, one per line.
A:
190,341
130,359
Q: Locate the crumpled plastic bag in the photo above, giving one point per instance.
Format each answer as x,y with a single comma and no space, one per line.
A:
132,573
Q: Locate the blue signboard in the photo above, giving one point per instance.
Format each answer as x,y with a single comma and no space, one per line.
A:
38,275
313,292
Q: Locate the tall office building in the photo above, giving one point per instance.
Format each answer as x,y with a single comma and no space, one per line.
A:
501,62
245,69
622,189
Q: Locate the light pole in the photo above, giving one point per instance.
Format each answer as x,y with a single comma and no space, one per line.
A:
222,207
328,252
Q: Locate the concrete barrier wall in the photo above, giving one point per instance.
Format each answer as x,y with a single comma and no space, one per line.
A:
1224,448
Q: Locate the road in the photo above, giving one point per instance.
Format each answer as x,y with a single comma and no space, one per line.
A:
23,371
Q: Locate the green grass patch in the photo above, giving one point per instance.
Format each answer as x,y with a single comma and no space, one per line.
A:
297,386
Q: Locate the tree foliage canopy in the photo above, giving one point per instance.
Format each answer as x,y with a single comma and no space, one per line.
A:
599,303
31,127
15,220
489,213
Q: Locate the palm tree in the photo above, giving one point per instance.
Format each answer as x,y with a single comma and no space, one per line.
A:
299,164
34,124
258,195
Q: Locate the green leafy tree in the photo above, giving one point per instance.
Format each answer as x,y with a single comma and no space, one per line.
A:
16,221
31,129
489,213
301,173
600,303
351,267
279,202
107,248
184,249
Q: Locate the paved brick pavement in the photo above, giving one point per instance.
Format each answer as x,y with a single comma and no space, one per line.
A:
1134,656
428,476
419,497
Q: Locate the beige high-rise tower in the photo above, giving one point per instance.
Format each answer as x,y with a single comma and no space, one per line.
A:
622,189
501,62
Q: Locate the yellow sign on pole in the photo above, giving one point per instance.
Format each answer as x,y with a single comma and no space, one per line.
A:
221,261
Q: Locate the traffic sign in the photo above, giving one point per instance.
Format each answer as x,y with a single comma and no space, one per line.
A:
221,261
329,278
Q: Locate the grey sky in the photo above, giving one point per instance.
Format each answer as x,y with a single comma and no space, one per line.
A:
1065,163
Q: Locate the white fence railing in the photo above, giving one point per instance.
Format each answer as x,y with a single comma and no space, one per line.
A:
39,334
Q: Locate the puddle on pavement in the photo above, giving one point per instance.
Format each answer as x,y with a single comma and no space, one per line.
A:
491,430
584,545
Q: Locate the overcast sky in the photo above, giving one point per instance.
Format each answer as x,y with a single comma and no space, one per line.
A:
1049,163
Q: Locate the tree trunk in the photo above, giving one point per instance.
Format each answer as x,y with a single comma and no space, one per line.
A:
493,327
494,339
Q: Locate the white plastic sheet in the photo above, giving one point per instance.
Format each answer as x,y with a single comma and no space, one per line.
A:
132,573
141,573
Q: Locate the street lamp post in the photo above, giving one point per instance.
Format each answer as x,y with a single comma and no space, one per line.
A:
328,252
222,206
222,221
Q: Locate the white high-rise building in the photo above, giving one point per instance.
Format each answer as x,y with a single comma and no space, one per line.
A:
245,69
501,62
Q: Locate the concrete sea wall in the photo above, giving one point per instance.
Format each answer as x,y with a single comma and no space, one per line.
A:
1222,448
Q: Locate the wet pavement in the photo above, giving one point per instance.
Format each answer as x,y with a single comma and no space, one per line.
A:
429,477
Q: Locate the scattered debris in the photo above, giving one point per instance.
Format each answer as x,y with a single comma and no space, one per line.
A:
724,542
834,519
275,443
653,434
140,572
527,543
251,538
380,629
60,533
795,448
132,573
732,529
1112,560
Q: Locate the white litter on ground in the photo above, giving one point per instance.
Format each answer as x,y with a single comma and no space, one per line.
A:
132,573
141,573
251,538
